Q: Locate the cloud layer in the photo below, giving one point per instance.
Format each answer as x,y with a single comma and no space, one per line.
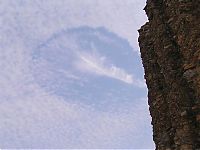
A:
33,118
44,121
32,114
121,17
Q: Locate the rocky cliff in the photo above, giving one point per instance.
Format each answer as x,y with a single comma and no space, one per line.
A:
170,51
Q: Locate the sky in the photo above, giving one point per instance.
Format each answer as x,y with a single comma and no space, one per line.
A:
71,75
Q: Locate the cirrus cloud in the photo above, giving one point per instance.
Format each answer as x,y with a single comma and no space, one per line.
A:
94,63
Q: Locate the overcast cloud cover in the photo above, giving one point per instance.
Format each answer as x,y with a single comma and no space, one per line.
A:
71,76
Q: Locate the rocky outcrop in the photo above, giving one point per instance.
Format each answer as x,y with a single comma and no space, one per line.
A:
170,51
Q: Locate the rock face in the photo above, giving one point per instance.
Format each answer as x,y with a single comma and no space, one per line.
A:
170,51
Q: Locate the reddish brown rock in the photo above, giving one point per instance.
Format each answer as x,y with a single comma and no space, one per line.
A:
170,51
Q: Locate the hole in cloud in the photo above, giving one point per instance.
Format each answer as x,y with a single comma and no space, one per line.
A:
90,63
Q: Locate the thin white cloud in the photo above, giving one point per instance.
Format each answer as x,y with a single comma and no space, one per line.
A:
44,121
69,75
95,63
30,117
43,18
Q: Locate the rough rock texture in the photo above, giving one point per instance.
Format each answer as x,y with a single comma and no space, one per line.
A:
170,50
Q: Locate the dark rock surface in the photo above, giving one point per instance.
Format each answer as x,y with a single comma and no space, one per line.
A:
170,50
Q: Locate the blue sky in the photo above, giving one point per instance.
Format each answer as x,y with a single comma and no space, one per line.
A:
71,75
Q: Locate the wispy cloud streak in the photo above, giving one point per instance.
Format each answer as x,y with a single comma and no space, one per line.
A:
97,64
